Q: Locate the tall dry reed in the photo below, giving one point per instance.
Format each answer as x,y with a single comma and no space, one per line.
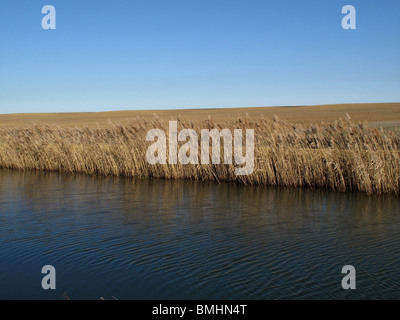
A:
341,156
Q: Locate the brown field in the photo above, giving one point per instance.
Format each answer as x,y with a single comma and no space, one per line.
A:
297,151
388,114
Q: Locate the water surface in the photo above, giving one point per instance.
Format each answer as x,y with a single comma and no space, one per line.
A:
156,239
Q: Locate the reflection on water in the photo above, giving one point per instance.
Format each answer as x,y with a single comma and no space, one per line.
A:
155,239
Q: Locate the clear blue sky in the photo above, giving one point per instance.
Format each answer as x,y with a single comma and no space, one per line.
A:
158,54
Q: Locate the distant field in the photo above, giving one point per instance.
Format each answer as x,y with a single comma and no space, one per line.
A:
386,115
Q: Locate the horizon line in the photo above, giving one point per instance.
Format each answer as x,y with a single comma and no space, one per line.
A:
203,108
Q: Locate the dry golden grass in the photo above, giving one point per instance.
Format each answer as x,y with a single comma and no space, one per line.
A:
373,112
341,156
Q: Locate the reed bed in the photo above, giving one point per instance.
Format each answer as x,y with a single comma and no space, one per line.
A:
341,156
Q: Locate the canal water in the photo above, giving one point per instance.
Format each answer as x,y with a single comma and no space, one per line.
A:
156,239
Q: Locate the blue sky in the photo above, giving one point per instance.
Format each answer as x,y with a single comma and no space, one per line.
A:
161,54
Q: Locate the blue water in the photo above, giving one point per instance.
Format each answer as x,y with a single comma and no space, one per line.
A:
154,239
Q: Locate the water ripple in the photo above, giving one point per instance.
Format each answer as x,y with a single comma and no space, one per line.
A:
187,240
